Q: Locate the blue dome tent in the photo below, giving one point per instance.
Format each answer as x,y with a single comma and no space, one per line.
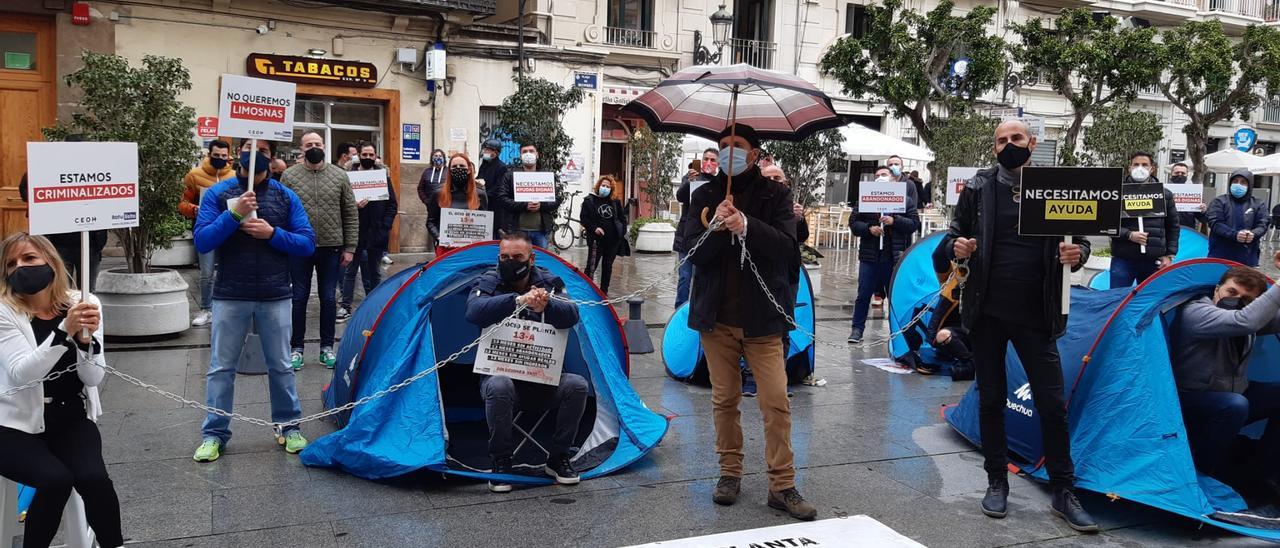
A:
1191,245
682,347
414,319
1125,420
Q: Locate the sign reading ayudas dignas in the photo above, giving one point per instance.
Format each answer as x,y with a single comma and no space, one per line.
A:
309,70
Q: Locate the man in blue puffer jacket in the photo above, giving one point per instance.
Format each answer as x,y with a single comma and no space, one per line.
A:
254,231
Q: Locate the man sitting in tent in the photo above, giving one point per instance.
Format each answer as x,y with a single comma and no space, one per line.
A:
496,295
945,331
1211,340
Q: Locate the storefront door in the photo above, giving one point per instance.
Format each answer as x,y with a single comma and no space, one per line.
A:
28,99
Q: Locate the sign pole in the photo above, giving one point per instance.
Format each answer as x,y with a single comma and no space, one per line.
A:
1066,282
881,235
253,175
84,274
1142,248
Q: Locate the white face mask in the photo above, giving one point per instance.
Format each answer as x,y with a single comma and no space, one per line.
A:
529,158
1139,174
884,179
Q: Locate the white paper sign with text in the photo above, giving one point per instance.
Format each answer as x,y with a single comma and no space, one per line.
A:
957,178
525,351
459,227
533,186
826,533
74,187
1189,197
369,185
882,197
256,108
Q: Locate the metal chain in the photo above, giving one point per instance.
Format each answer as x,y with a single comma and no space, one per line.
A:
84,359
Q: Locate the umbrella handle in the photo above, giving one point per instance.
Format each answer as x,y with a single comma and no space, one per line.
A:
705,222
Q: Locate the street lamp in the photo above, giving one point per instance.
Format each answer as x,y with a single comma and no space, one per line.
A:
720,22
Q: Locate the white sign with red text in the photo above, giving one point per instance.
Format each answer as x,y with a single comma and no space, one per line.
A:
533,186
459,227
256,108
957,177
1189,197
882,197
75,187
369,185
525,351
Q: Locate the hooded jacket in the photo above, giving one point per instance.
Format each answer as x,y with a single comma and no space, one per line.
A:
1224,223
1162,232
201,177
1210,346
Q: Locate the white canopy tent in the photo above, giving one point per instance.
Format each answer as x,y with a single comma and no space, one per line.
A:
863,143
1228,160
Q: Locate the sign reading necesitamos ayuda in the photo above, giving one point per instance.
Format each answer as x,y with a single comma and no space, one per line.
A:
1076,201
310,70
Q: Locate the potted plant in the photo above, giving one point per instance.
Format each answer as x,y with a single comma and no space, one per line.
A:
141,105
652,235
656,157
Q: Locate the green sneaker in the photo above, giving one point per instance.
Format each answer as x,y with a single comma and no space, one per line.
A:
210,449
296,359
328,358
294,442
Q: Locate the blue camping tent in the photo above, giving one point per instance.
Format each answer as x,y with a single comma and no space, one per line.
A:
1191,245
682,347
414,319
1127,435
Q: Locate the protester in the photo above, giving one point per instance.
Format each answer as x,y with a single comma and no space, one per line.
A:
894,163
48,439
708,168
1130,263
277,168
68,243
1008,275
497,293
376,219
215,167
737,319
330,204
252,287
1237,221
774,173
604,220
459,191
489,175
431,181
344,155
924,192
532,218
1212,341
945,332
265,147
1178,176
884,238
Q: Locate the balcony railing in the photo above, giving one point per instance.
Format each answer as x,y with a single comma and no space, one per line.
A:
756,53
1271,111
1246,8
633,38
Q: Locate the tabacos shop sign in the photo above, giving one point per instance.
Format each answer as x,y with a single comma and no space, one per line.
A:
309,70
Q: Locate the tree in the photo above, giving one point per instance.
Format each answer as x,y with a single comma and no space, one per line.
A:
1092,62
533,114
139,105
1118,132
807,163
655,157
1209,77
906,59
962,140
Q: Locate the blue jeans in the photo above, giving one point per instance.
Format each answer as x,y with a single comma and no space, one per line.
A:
1214,419
873,277
686,276
231,321
206,280
326,263
369,263
539,239
1127,272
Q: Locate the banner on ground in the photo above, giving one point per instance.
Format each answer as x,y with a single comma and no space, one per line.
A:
957,178
256,108
827,533
1188,197
1076,201
459,227
533,186
75,187
1143,200
369,185
882,197
525,351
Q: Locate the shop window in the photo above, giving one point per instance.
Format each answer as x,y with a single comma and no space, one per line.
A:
336,120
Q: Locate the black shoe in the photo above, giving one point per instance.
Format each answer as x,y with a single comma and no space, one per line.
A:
794,504
727,490
855,336
1067,507
963,370
996,502
927,368
559,468
501,465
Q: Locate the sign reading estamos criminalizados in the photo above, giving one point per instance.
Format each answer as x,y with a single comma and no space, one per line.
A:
311,70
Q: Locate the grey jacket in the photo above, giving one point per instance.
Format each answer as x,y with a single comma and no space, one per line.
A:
329,201
1202,350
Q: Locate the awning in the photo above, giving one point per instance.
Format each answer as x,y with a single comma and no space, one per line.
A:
863,143
1228,160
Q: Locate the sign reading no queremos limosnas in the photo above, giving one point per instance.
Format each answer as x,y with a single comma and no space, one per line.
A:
882,197
1076,201
533,186
1142,200
825,533
1188,197
369,185
256,108
459,227
525,351
75,187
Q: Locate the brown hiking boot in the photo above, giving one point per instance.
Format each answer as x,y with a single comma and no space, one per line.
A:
727,489
791,501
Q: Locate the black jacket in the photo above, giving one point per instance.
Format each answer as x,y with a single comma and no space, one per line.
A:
507,210
491,300
606,214
972,220
896,236
1162,233
459,197
771,239
687,214
376,220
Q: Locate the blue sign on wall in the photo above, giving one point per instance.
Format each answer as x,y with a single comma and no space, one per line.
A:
411,142
1245,138
586,80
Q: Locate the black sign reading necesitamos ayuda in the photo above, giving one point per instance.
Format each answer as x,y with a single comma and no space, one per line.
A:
1143,200
1076,201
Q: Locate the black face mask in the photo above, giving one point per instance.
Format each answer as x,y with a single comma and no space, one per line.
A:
1013,156
29,280
366,163
459,175
512,271
1232,303
218,163
314,155
1178,179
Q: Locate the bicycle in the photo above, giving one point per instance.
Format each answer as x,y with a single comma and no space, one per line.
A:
563,236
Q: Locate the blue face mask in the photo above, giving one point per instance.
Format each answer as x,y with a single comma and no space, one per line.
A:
603,192
896,170
1238,190
733,160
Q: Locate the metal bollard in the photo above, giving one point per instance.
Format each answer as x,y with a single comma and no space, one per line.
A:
637,334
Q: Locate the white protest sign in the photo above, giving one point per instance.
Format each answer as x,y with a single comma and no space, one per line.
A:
525,351
77,187
957,177
369,185
459,227
256,108
457,134
849,531
1188,197
882,197
534,186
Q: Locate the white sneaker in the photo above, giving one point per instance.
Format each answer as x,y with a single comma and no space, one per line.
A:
202,318
386,259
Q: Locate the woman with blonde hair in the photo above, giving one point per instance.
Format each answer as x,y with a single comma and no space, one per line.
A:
459,191
604,220
48,439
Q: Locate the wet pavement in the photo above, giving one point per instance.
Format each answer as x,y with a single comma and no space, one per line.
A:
868,442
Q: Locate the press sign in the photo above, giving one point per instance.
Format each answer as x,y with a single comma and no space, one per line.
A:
1080,201
1143,200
